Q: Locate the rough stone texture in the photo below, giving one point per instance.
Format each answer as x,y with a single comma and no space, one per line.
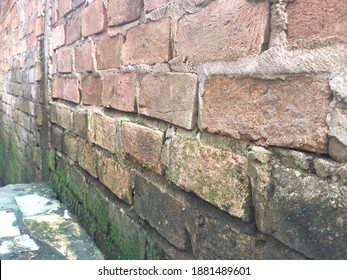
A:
166,213
92,90
119,91
83,57
148,43
61,115
170,97
64,6
325,18
64,60
88,158
80,123
93,18
154,4
234,29
115,177
70,146
66,88
57,137
73,29
338,132
104,132
290,113
142,144
217,176
123,11
108,52
58,36
305,213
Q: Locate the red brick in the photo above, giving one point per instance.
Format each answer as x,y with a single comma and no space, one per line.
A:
73,29
290,113
170,97
123,11
154,4
224,30
119,91
104,132
83,57
58,36
142,144
64,60
93,18
64,7
148,43
116,177
39,26
312,19
92,90
108,52
66,88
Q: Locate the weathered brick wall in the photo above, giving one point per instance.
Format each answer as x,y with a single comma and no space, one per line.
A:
207,129
21,30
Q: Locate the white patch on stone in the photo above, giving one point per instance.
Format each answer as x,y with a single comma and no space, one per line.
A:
18,244
34,204
7,219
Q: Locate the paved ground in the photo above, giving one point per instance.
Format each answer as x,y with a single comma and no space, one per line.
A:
34,225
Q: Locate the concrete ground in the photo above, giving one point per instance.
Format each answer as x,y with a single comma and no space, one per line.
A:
36,226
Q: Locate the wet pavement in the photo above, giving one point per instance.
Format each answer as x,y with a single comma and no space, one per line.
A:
35,225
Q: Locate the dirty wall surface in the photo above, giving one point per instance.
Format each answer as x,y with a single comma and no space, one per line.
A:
192,129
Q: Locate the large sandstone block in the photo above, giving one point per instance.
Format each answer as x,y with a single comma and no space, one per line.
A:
304,212
170,97
116,177
104,132
290,113
148,43
83,57
142,144
58,36
94,18
88,159
92,90
108,52
119,91
224,30
123,11
66,88
65,60
216,175
315,19
165,212
73,29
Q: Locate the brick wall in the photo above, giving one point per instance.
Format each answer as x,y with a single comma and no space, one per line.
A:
207,129
21,33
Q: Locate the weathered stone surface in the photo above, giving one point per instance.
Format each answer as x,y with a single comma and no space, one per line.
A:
116,177
61,115
58,36
290,113
119,91
142,144
108,52
64,60
83,57
216,235
165,212
71,146
325,18
88,158
217,176
64,6
123,11
93,18
224,30
80,123
154,4
338,132
170,97
304,212
103,132
66,88
92,90
73,29
148,43
57,137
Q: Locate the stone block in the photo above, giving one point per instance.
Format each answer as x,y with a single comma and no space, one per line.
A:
150,5
83,57
88,158
170,97
58,36
66,88
92,90
104,132
108,52
57,138
73,29
80,123
64,6
217,176
224,30
93,18
290,113
148,43
65,60
123,11
142,144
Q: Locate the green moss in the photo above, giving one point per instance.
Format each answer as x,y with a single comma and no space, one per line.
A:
51,159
